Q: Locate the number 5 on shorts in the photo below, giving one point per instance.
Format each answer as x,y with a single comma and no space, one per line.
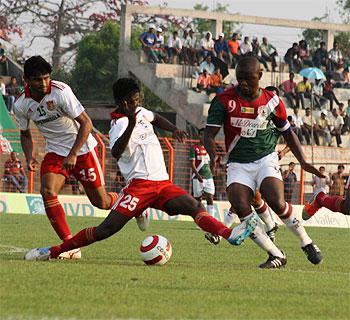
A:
129,202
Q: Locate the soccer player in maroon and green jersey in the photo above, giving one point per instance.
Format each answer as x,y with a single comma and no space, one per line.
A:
250,116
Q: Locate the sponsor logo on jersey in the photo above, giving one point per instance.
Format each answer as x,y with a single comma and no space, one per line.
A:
50,105
247,110
53,118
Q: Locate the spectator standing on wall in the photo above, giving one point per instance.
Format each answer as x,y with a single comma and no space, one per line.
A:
320,57
14,173
289,179
321,183
338,183
288,87
148,40
233,45
269,53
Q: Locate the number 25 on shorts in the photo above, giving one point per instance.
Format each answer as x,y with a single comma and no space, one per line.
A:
129,202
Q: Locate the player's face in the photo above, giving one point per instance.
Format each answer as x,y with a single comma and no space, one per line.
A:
248,81
39,84
132,103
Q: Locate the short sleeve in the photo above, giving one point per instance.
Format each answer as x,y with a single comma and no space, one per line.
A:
70,103
279,118
216,114
21,118
118,127
147,114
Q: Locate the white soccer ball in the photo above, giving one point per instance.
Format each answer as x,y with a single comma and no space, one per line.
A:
155,250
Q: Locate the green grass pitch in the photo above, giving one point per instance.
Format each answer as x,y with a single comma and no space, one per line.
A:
201,281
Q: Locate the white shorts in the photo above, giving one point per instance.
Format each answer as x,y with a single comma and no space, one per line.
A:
253,173
206,186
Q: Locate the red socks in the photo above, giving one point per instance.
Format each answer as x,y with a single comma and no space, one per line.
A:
114,196
333,203
208,223
57,217
81,239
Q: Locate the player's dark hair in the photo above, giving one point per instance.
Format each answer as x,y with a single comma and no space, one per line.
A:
248,59
36,66
124,88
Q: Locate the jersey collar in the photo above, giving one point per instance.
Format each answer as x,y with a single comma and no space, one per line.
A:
117,115
27,91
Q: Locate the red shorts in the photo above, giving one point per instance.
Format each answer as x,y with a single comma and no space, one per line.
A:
140,194
87,169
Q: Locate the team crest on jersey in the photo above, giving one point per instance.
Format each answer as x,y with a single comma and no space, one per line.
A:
50,105
231,105
262,111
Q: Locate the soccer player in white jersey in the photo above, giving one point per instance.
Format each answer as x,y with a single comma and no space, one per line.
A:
334,203
70,147
247,112
140,159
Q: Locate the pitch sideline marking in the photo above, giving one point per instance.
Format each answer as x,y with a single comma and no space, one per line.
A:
12,249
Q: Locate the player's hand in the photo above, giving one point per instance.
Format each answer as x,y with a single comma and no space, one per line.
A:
281,154
310,168
199,177
69,162
32,164
180,135
132,116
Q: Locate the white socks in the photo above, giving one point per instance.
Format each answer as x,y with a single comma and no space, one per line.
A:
260,237
265,215
295,225
229,217
211,210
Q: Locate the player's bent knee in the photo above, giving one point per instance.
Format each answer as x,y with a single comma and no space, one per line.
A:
48,192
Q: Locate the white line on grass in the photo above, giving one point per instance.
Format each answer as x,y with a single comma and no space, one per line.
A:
12,249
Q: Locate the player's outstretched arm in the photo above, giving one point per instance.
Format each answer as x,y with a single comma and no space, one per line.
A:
209,143
164,124
28,149
294,145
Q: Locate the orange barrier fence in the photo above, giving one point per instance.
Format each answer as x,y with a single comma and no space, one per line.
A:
176,157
